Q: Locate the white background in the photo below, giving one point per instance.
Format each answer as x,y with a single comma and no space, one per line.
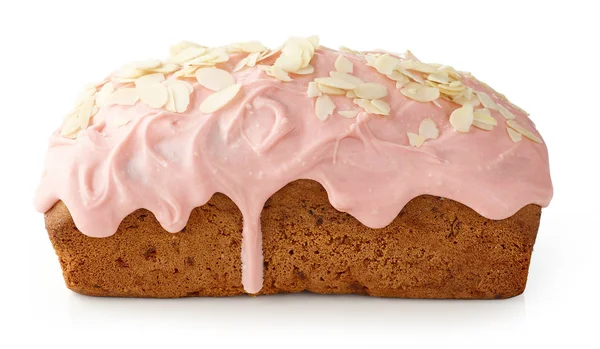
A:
543,56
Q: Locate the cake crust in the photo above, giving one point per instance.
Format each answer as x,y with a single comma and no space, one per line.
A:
434,248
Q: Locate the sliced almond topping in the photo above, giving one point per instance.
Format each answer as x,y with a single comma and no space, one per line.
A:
219,99
514,135
290,62
309,69
349,50
439,78
252,47
313,90
181,95
335,82
104,93
253,58
331,90
180,46
149,79
153,94
279,74
350,94
166,68
70,127
486,100
484,116
324,106
123,96
345,76
148,64
415,77
366,105
187,54
382,106
170,105
214,79
343,64
370,90
505,112
428,129
418,66
420,93
482,125
385,64
462,118
241,64
349,114
85,113
399,77
415,140
522,130
462,100
371,58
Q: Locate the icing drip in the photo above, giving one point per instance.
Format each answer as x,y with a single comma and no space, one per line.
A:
268,136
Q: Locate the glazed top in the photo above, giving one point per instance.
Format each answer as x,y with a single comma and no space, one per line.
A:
375,129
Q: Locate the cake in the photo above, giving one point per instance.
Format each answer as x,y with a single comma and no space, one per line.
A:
244,170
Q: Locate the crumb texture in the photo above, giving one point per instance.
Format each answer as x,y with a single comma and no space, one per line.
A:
435,248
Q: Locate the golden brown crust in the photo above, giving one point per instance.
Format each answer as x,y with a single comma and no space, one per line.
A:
435,248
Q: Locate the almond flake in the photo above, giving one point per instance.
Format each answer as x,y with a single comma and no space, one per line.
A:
153,94
147,65
309,69
462,100
414,76
123,96
370,90
366,105
486,100
399,77
522,130
180,46
349,114
484,116
331,90
170,105
70,127
350,94
129,72
343,64
219,99
415,140
351,51
462,118
252,58
240,64
505,112
514,135
180,94
335,82
313,90
428,129
253,47
439,78
85,112
104,93
420,93
324,106
214,79
289,62
385,64
166,68
418,66
149,79
345,76
371,58
482,125
187,54
279,73
382,106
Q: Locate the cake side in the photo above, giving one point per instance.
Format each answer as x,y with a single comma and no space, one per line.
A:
435,248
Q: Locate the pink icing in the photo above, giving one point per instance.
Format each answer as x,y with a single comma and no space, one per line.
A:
269,136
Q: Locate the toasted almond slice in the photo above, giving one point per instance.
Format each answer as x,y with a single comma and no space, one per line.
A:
370,90
181,95
420,93
484,116
482,125
104,93
268,54
416,77
335,82
350,94
85,113
415,140
241,64
399,77
514,135
428,129
385,64
313,90
309,69
324,106
349,50
366,105
153,94
123,96
149,79
439,78
289,62
279,73
382,106
348,114
187,72
371,58
462,100
345,76
448,89
486,100
462,118
219,99
187,54
70,126
419,66
331,90
253,58
343,64
180,46
214,79
522,130
505,112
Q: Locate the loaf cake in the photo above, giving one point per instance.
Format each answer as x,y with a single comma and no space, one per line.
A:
245,170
